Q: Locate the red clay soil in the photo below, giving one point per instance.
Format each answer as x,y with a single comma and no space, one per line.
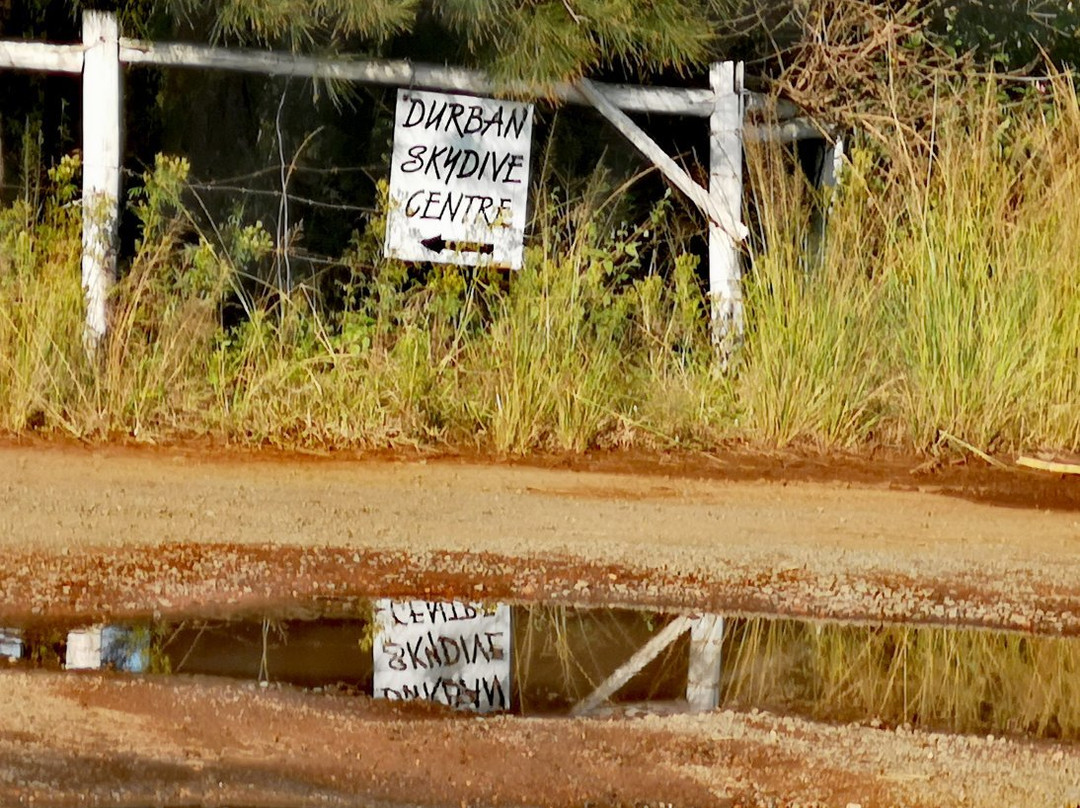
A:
106,740
99,532
110,531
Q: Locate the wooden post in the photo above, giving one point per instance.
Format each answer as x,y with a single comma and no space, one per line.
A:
703,676
726,188
832,164
827,177
101,166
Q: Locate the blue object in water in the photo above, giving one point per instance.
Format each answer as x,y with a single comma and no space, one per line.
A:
125,649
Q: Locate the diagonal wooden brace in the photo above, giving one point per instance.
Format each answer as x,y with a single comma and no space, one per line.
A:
637,136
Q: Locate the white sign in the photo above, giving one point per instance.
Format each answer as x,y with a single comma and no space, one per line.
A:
456,654
459,180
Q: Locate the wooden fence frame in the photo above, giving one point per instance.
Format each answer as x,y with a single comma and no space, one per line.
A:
103,52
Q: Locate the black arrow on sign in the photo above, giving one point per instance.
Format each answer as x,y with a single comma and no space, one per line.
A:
438,244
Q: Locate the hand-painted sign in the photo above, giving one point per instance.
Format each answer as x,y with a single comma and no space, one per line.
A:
456,654
459,180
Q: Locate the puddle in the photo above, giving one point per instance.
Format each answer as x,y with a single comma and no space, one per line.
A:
549,657
544,660
959,680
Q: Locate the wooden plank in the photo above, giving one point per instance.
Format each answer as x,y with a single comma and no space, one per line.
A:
388,72
787,131
693,102
717,215
696,103
101,166
646,654
1053,466
41,56
833,164
725,191
779,109
703,674
829,164
685,101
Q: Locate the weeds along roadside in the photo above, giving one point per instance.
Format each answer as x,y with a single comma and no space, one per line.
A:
943,302
557,357
946,299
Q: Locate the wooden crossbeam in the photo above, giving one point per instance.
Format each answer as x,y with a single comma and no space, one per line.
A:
716,214
400,73
103,52
41,56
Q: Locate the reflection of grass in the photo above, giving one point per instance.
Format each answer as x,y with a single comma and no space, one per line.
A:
45,646
959,680
159,660
365,611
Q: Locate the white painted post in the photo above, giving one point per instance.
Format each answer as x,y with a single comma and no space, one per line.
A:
828,177
832,164
101,166
726,188
703,676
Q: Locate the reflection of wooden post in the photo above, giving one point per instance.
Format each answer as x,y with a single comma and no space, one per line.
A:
633,666
703,676
101,166
725,188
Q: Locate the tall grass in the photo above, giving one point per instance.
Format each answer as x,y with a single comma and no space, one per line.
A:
815,365
982,291
941,678
41,376
579,348
943,301
587,347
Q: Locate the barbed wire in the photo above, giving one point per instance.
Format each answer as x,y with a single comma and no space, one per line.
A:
315,203
228,185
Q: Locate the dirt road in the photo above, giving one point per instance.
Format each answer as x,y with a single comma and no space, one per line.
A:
115,530
104,532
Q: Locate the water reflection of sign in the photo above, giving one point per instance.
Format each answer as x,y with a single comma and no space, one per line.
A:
459,179
11,643
116,647
456,654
